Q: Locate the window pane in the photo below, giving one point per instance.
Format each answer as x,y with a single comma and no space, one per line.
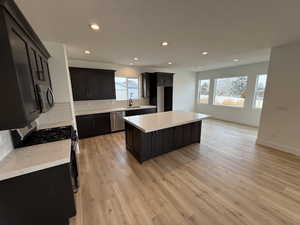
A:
133,88
260,90
231,91
204,91
121,88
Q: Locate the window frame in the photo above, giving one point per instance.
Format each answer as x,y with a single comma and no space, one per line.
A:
215,91
199,89
255,91
138,87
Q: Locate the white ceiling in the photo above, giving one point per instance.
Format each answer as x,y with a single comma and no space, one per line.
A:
227,29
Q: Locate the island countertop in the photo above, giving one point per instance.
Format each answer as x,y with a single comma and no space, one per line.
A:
162,120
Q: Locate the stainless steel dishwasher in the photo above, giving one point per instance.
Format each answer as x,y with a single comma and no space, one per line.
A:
116,120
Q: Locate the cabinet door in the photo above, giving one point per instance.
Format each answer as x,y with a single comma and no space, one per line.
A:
196,132
79,84
23,69
160,81
85,126
41,74
165,79
92,84
178,137
33,63
34,70
145,85
153,90
101,124
168,80
187,134
46,72
129,136
168,99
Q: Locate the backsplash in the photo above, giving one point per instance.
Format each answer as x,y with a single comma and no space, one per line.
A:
107,104
6,145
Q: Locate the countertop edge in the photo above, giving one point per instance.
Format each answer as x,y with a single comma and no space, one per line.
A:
165,127
33,169
95,111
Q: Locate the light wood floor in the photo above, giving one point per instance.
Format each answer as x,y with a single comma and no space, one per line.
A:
225,180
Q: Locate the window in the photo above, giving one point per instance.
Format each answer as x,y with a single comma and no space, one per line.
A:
204,91
133,88
230,91
126,88
260,87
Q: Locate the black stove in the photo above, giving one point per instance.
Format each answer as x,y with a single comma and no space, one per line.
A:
44,136
35,137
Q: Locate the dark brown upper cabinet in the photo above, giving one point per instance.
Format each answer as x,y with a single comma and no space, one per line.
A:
164,79
22,61
92,84
150,83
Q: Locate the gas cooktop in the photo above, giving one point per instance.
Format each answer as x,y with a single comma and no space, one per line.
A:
45,136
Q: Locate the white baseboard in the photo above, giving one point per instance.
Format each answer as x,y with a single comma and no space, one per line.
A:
284,148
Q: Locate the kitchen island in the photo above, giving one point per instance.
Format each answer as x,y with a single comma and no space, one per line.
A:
151,135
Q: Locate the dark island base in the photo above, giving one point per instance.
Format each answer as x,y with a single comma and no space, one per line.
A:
144,146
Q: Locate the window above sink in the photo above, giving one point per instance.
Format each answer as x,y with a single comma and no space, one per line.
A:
126,88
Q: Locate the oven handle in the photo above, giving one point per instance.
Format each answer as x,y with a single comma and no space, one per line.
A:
74,167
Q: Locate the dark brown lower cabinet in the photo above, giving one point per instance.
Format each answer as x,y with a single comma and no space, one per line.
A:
43,197
144,146
93,125
98,124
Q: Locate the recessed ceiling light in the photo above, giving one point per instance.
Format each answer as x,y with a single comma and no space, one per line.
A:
136,59
170,63
87,52
164,43
204,53
236,60
130,64
94,26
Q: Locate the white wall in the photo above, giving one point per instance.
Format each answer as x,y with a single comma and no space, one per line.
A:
247,115
184,90
58,65
280,120
6,145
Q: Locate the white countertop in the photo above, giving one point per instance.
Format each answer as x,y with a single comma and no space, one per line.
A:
105,110
34,158
157,121
59,116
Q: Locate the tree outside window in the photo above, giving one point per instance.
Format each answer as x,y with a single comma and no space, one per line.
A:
231,91
204,91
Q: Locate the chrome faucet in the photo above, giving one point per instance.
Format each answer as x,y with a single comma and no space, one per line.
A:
130,101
